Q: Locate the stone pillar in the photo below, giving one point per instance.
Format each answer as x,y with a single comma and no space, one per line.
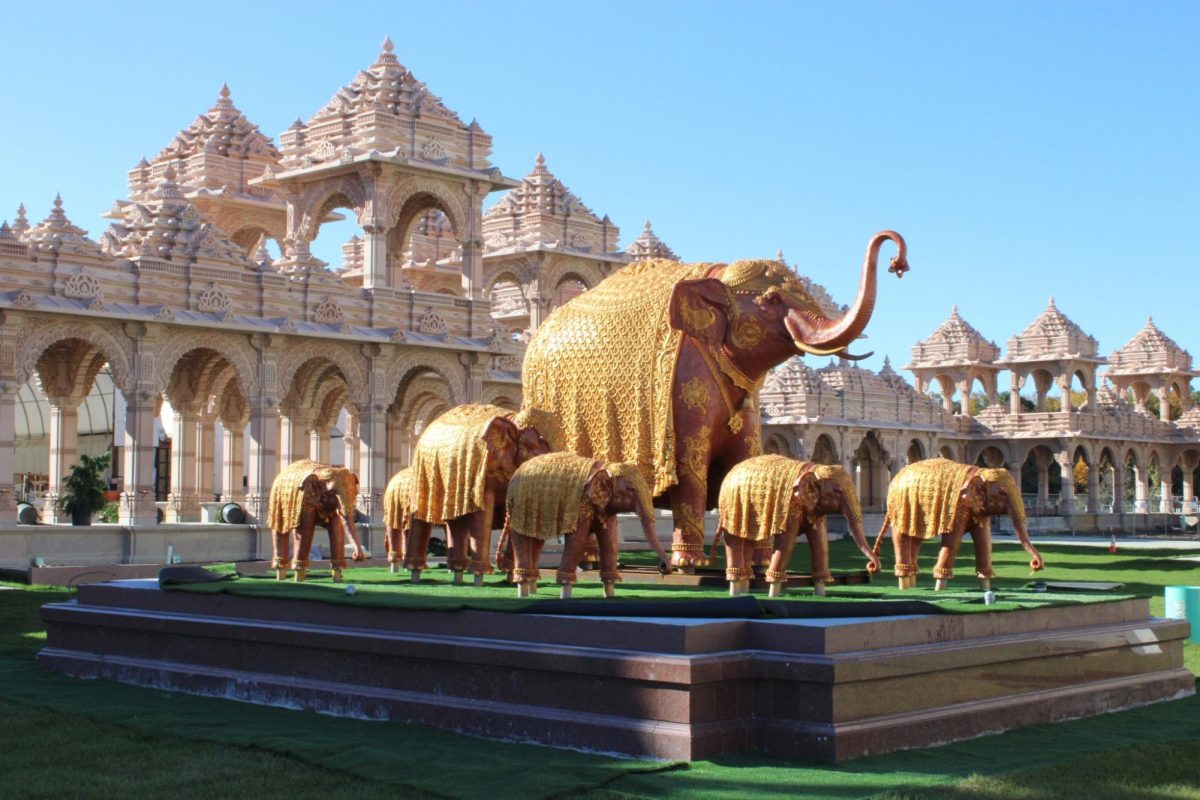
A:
206,466
1164,491
372,437
1163,393
1043,481
264,456
1066,495
1064,386
183,499
318,445
350,441
1093,503
8,452
294,442
232,468
397,444
1118,480
375,272
1141,491
472,245
1189,495
64,433
1014,394
964,393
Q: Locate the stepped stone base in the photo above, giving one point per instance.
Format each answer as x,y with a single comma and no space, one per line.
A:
671,688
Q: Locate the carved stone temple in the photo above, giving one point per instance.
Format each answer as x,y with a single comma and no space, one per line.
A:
200,338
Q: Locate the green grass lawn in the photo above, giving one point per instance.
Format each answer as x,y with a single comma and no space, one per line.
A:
68,738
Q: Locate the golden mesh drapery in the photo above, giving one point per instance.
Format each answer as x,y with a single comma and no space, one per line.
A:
924,496
605,363
545,494
450,463
756,496
395,498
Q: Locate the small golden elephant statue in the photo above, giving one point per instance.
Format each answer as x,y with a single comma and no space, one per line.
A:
767,501
562,494
306,494
460,472
940,497
396,516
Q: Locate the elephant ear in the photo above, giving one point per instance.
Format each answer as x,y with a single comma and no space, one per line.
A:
807,491
700,309
599,489
501,433
974,496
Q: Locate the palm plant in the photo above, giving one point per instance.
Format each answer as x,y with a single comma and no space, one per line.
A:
84,488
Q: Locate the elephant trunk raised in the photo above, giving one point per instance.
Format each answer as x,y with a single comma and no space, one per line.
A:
812,333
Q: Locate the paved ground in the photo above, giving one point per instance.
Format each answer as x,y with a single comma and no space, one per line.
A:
1124,541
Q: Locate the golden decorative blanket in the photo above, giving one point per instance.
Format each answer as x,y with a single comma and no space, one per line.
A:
284,505
924,496
756,496
605,362
545,494
395,498
450,463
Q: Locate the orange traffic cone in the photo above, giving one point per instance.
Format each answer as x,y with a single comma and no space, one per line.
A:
1112,544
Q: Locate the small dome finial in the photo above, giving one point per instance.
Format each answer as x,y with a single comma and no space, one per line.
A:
1051,302
58,201
387,45
540,160
779,255
954,310
224,91
646,228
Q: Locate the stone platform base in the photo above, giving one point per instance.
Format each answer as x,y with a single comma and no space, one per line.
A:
672,688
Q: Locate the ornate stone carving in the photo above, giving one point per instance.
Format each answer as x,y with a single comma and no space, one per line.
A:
433,151
431,322
509,364
213,300
24,300
165,314
82,286
329,312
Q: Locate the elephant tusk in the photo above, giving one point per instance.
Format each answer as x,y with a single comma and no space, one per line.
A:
837,351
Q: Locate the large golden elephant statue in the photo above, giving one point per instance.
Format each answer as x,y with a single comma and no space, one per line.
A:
767,501
661,364
939,497
562,494
460,473
306,494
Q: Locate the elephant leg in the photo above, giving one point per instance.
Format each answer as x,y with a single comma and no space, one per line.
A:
337,548
395,547
907,548
458,535
738,571
688,499
944,570
573,549
818,548
527,550
417,547
281,553
591,552
609,573
777,575
981,540
303,546
479,528
504,553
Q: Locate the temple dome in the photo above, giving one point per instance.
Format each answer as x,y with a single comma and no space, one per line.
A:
955,341
647,246
1149,351
1052,335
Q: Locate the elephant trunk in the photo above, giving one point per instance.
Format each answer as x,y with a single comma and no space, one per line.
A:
352,532
646,517
811,332
1017,514
859,535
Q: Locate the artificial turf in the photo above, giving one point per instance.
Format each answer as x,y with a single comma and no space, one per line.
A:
106,739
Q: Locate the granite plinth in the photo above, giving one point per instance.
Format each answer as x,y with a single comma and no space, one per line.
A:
657,687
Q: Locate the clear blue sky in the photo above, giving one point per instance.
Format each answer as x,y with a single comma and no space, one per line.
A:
1023,149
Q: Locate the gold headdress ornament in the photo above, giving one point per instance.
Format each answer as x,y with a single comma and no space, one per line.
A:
544,422
836,473
771,277
630,472
1005,479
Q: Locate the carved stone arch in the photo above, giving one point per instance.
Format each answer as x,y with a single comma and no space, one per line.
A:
522,273
396,210
328,401
409,361
1134,455
234,349
777,443
345,356
560,270
314,203
37,338
424,408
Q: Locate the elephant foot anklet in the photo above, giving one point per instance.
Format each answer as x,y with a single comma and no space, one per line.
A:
943,574
776,576
907,570
739,574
